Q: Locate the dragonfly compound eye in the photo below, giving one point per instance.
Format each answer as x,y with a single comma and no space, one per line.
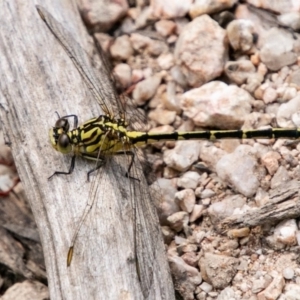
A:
53,137
63,144
63,124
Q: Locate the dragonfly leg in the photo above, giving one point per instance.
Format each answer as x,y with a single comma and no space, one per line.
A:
70,116
130,153
100,163
71,169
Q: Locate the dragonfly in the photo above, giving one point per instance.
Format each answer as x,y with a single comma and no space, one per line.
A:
115,112
117,130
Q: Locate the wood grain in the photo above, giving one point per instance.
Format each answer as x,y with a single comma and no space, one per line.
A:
283,204
37,79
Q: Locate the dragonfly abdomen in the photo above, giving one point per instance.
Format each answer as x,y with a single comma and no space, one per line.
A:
141,138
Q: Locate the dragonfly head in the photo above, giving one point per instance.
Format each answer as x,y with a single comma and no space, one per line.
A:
59,138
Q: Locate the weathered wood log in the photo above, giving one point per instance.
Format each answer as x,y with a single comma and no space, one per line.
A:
37,79
283,203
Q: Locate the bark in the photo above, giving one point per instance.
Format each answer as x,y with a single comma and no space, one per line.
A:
37,79
283,204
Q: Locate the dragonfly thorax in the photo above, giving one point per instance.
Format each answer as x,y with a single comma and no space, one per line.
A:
104,134
100,135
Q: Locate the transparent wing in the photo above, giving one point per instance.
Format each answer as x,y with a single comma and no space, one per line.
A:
147,235
147,238
99,79
135,208
127,110
102,90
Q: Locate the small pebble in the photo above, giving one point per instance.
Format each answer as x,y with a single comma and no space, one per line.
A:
288,273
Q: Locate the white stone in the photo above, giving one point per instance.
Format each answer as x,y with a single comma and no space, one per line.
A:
201,7
102,14
121,49
240,34
197,212
178,220
165,27
279,7
192,275
201,56
270,95
277,50
274,290
291,291
286,110
183,155
288,273
186,200
166,192
239,170
220,269
146,89
207,193
210,154
169,9
270,161
166,61
225,208
218,105
162,116
281,176
286,93
206,287
239,71
139,42
291,19
189,180
123,74
285,232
